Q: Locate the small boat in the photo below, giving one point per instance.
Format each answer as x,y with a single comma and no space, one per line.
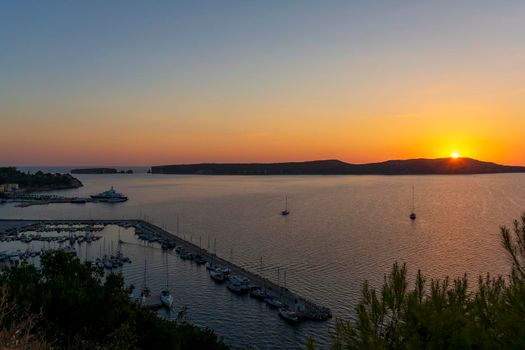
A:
224,270
235,288
241,281
200,260
273,301
285,211
288,315
186,256
217,276
257,292
238,284
166,299
165,296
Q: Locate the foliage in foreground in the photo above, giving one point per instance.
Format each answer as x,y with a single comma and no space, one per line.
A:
69,306
442,314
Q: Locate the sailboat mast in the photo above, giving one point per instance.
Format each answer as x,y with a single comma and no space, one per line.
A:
413,205
167,278
144,283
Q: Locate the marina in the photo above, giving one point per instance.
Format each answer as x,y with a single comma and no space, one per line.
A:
240,280
29,199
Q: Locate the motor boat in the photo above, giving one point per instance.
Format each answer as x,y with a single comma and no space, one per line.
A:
110,196
288,315
217,276
257,292
273,301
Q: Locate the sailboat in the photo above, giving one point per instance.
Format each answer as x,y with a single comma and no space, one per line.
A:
165,296
413,214
145,293
285,211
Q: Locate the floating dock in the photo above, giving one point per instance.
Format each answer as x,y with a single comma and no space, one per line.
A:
309,310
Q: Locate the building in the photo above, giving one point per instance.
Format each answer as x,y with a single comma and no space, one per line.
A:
8,188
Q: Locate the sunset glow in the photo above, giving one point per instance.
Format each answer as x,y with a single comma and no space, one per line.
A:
213,83
454,155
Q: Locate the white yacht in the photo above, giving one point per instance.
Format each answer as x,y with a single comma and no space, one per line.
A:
110,196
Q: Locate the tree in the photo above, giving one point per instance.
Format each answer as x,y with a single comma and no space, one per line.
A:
442,314
77,309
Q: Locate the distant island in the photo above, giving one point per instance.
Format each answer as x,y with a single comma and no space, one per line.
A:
94,171
440,166
100,171
20,181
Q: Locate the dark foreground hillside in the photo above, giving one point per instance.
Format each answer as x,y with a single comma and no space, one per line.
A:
69,306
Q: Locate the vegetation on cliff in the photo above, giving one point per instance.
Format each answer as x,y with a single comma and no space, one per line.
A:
446,314
71,306
39,181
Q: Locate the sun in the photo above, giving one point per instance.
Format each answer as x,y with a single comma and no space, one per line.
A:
454,155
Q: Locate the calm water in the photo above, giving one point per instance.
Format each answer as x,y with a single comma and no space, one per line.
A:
341,231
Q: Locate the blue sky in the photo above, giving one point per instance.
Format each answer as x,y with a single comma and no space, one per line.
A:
236,68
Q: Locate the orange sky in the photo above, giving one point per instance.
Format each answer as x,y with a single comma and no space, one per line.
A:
355,82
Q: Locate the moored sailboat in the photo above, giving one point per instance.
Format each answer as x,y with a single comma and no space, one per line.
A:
165,296
285,211
413,214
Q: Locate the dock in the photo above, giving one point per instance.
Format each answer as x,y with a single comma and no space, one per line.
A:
29,199
308,310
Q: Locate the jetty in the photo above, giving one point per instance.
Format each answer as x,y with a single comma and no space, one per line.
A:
152,233
29,199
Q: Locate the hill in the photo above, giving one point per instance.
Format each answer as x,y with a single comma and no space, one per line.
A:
94,171
445,166
39,181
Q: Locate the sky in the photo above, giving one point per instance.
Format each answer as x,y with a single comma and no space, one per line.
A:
165,82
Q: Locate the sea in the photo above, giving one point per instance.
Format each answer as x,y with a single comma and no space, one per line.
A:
341,232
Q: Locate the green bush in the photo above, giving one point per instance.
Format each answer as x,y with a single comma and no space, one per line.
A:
77,309
442,314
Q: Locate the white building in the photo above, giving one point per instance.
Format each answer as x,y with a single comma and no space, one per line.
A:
8,188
